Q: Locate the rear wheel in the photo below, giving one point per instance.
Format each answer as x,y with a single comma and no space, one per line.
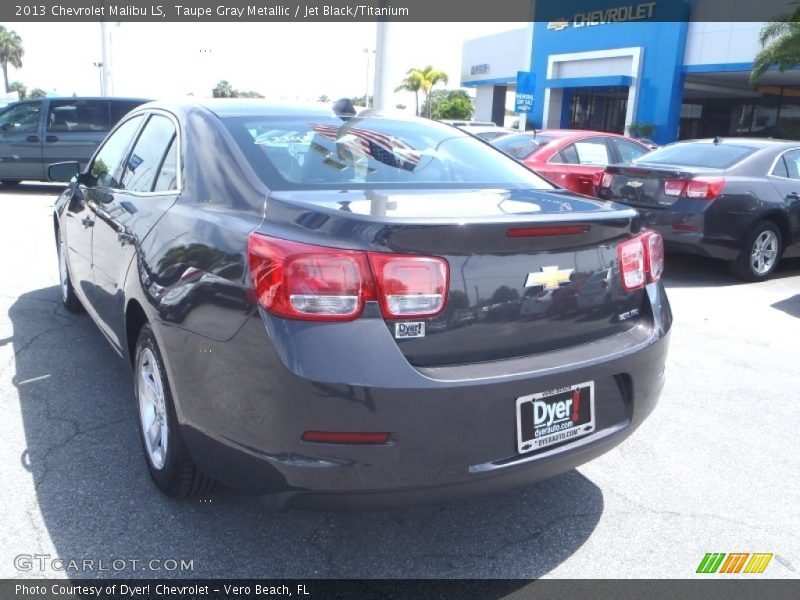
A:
68,297
760,253
168,461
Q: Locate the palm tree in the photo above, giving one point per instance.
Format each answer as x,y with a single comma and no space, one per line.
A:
412,83
11,52
422,80
37,93
20,88
430,77
780,45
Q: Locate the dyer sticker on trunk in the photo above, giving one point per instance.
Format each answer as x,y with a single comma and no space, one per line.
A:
555,416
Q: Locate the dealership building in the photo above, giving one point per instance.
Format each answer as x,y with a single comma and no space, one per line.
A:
605,70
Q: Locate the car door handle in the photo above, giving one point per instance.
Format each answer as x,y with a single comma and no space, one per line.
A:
87,222
32,138
51,138
125,238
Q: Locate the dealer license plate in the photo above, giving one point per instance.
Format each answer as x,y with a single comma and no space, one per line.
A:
555,416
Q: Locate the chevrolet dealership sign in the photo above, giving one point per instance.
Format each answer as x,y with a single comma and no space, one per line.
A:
620,14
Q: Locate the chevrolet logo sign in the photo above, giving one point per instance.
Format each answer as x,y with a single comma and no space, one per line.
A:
550,278
558,25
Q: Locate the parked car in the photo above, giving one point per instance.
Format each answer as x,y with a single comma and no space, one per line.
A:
486,132
648,142
35,133
570,158
464,123
737,200
285,306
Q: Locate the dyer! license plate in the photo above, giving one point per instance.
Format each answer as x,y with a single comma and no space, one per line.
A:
548,418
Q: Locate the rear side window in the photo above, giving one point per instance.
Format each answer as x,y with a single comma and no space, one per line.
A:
780,170
788,165
120,108
167,178
108,162
78,115
592,152
628,150
520,146
147,157
694,154
23,117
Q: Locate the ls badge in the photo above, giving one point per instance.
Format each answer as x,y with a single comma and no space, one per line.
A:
550,278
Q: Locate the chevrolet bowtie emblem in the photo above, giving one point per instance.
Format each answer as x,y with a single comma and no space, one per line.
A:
550,278
558,25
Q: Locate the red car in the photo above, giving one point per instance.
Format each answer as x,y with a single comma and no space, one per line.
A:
570,158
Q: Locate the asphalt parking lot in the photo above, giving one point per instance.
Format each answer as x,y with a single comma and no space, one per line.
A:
715,469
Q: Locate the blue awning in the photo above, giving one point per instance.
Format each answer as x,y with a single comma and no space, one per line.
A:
579,82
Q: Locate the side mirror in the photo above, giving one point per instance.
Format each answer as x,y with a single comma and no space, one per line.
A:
63,171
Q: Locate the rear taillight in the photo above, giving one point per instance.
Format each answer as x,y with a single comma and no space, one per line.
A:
674,187
607,180
653,255
704,188
641,260
317,283
409,286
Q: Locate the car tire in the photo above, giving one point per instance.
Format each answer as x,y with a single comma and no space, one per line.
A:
10,182
168,461
68,296
760,254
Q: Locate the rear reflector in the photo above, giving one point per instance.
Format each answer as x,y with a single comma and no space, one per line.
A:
317,283
641,260
684,227
547,231
346,437
409,286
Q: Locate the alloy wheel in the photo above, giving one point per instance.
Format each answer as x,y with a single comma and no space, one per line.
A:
152,408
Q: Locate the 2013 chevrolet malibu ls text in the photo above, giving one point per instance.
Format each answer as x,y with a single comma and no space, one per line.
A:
343,309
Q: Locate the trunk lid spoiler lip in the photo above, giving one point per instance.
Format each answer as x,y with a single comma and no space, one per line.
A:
647,170
331,203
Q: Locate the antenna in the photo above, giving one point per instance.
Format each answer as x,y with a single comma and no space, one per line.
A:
344,108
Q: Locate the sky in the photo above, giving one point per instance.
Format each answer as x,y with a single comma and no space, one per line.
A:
282,61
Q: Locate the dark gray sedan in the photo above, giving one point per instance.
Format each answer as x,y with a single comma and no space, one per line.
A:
733,199
330,307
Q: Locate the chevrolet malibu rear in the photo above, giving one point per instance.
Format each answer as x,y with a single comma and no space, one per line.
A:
358,310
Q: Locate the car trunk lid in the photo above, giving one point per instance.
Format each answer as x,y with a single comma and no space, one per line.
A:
529,271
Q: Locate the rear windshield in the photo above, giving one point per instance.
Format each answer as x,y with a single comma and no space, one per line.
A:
712,156
362,152
521,145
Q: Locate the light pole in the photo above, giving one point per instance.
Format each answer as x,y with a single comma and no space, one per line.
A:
382,95
366,90
99,66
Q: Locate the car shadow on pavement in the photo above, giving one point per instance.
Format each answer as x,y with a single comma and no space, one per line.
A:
687,271
97,502
33,189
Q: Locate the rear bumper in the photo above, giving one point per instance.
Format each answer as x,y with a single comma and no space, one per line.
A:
453,428
700,227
